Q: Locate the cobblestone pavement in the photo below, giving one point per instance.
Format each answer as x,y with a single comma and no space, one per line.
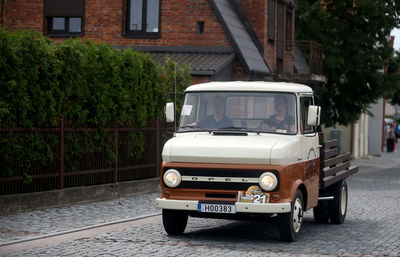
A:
372,226
29,224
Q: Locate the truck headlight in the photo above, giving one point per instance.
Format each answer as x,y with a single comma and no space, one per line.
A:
268,181
172,178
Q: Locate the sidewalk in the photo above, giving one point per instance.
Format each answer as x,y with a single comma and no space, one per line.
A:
385,161
51,220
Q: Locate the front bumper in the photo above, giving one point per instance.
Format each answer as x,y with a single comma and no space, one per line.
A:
240,207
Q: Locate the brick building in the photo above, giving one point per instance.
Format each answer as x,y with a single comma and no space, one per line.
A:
219,39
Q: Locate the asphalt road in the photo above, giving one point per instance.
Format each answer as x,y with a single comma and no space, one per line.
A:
372,226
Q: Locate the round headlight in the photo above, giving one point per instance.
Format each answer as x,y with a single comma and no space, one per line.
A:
172,178
268,181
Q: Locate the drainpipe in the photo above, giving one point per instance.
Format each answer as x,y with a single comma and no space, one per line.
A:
383,125
366,119
356,153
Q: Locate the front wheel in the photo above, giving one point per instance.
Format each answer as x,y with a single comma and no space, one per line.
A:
338,207
174,221
290,223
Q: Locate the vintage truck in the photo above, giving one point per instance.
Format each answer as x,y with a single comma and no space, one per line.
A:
247,150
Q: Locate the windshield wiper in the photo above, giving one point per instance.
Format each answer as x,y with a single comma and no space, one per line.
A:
234,128
195,127
240,129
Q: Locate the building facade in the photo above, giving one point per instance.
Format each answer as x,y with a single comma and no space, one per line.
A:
218,39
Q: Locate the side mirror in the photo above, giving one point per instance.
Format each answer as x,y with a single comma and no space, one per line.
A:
313,118
169,112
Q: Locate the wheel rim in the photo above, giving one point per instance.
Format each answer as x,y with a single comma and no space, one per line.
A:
343,202
297,215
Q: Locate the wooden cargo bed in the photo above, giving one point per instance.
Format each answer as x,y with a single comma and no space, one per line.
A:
334,166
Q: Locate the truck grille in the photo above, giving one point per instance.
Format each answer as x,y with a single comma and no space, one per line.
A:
220,179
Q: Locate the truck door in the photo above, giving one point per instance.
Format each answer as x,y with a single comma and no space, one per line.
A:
310,152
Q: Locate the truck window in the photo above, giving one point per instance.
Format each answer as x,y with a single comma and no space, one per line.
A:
304,103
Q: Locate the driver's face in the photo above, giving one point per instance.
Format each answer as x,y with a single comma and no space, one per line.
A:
280,105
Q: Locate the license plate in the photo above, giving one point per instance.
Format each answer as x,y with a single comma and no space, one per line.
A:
216,208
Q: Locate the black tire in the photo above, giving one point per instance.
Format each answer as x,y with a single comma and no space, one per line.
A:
290,223
174,221
321,212
338,207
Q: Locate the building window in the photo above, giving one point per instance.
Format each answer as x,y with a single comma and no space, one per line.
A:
64,18
271,21
289,28
200,27
143,18
64,26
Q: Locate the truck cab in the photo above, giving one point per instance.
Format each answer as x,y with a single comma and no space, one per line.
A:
242,150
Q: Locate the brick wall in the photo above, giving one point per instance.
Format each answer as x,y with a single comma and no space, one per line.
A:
104,22
199,79
24,15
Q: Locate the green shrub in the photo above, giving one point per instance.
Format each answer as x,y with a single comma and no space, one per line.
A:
90,84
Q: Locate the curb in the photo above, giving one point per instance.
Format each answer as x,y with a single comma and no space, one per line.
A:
75,195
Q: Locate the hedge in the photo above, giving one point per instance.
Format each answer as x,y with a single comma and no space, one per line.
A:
90,84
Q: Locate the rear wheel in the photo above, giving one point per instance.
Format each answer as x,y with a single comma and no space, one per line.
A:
174,221
338,207
321,212
290,223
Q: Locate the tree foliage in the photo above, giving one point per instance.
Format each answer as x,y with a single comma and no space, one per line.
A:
354,36
394,77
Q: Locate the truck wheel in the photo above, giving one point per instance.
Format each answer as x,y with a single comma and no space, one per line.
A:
290,223
321,212
174,221
338,207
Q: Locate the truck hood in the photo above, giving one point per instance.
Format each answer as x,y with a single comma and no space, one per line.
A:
232,149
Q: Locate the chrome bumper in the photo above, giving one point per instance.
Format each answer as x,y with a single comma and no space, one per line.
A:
240,207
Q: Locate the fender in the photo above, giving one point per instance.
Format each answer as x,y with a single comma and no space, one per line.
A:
294,186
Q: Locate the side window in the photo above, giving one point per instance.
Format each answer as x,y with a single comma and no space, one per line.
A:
64,18
305,102
143,19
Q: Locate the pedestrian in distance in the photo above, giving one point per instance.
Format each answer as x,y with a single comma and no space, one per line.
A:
390,137
397,131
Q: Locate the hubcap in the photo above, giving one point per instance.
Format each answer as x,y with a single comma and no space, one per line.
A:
297,215
343,202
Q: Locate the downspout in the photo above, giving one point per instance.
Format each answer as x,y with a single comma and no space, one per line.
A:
383,125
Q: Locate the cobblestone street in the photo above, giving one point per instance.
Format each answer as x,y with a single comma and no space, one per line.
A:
372,226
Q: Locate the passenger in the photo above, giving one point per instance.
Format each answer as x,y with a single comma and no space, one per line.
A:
280,122
218,118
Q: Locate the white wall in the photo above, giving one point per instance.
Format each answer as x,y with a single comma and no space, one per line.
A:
375,128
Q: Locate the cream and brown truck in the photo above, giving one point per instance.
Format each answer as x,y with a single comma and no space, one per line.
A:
251,150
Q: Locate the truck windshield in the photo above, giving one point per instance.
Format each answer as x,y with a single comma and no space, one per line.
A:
263,112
